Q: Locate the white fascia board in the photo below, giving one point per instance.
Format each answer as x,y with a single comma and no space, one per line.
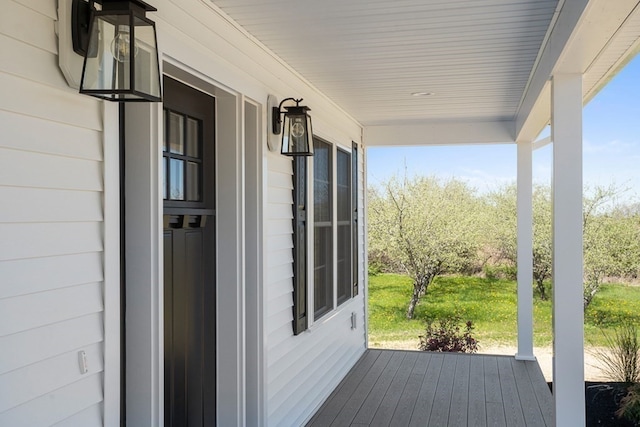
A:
440,133
581,32
530,122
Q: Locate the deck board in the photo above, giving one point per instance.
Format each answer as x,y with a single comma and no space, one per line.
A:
477,410
354,402
387,407
512,407
424,403
407,402
412,388
459,406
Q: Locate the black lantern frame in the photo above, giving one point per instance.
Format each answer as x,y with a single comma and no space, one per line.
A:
297,135
119,46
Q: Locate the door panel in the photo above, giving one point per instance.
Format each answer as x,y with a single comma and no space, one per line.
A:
189,257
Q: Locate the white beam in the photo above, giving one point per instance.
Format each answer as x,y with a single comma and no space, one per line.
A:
568,317
542,142
440,133
525,251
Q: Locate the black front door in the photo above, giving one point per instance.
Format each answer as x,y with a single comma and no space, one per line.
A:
189,256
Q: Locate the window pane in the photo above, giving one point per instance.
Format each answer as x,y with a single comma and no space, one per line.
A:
344,186
193,138
323,270
193,181
322,181
164,177
166,128
176,175
176,133
344,262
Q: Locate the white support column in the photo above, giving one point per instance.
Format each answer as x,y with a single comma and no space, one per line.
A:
568,318
525,251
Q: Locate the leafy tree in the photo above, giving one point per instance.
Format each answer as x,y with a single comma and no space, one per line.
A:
611,241
542,242
427,226
504,202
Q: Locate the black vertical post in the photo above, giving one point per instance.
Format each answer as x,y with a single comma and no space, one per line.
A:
123,269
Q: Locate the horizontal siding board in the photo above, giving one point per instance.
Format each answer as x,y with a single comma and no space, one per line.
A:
280,375
280,164
280,210
304,347
23,23
283,304
48,341
42,308
26,276
47,8
277,226
275,243
33,134
90,417
57,405
49,239
27,169
280,179
280,273
30,62
25,205
52,374
314,383
279,318
62,105
280,287
279,195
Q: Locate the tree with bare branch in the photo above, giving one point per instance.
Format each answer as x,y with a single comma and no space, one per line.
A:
429,227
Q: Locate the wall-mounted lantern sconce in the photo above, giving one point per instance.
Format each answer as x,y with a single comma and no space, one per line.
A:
297,135
118,43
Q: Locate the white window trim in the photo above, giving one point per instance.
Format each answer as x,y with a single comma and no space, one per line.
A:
311,320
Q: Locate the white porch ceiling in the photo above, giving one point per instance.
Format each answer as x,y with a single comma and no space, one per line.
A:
477,57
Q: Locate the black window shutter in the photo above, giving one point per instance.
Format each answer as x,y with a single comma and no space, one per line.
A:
299,244
354,206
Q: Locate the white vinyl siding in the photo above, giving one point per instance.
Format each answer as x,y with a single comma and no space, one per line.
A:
301,370
51,230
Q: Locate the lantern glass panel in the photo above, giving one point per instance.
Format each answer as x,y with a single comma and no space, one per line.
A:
122,59
147,79
101,68
296,135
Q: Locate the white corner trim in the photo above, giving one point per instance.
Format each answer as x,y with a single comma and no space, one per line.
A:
111,283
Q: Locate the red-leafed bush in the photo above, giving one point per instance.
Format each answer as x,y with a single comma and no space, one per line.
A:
447,335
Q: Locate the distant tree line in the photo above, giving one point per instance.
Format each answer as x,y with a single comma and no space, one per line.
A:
425,227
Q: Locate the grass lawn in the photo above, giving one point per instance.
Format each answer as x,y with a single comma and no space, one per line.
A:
490,304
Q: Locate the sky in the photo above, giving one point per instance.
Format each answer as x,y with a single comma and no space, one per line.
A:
611,148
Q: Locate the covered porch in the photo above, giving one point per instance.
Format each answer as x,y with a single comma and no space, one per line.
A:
414,388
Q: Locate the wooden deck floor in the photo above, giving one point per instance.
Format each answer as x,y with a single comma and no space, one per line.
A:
414,388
